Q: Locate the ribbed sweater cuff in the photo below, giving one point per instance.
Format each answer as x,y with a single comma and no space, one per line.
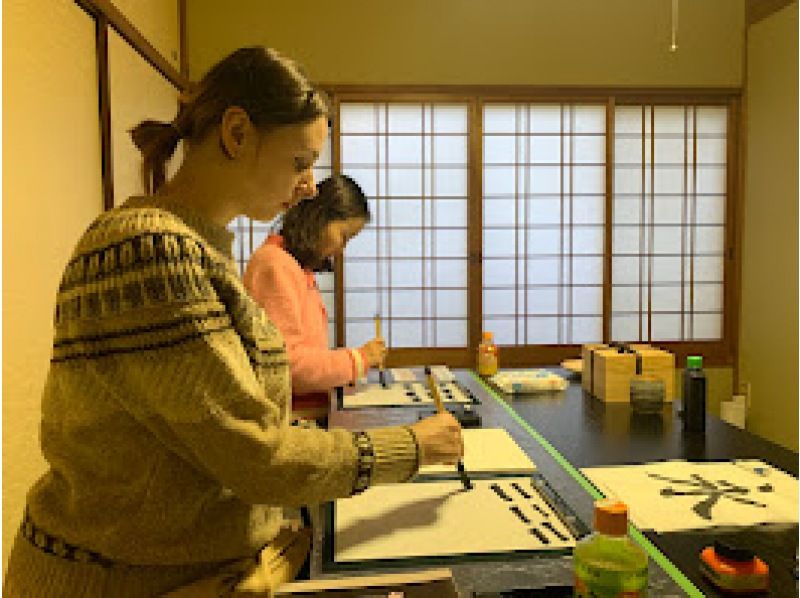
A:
359,363
396,458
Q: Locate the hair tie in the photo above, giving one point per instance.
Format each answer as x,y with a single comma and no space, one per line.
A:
176,129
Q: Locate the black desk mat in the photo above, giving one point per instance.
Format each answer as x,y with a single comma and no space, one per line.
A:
495,576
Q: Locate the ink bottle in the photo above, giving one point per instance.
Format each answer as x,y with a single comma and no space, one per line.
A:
607,563
487,356
694,395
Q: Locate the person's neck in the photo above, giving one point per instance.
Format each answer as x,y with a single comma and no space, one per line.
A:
199,190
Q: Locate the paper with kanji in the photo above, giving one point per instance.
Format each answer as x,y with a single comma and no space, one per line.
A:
674,496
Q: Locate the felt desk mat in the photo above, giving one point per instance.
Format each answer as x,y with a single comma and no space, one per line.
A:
402,394
674,496
439,519
487,450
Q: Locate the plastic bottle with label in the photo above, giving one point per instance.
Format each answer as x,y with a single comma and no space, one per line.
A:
607,563
487,356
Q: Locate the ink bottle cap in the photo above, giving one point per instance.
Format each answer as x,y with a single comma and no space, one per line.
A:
694,362
611,517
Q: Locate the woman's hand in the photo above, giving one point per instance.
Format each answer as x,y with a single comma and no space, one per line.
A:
439,439
374,352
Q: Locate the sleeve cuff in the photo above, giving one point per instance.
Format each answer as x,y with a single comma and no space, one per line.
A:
396,456
360,366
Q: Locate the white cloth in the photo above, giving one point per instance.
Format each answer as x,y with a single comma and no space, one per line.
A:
528,381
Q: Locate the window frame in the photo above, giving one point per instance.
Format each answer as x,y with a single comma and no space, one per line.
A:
721,352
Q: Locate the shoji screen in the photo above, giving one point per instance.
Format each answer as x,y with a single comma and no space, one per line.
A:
670,172
410,263
543,219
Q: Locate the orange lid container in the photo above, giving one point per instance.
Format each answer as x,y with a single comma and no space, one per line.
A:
735,570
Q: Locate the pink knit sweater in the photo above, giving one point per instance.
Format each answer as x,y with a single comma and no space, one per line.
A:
290,297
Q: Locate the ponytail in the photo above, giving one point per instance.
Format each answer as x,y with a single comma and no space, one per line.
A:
157,142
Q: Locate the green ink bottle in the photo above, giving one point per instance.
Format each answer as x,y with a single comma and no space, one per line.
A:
608,564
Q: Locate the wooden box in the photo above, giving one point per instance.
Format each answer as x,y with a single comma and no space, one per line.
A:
587,361
638,347
612,371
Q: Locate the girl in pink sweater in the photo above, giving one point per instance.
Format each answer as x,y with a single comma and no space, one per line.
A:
280,277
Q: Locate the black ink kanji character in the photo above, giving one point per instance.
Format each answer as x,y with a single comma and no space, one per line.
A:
714,491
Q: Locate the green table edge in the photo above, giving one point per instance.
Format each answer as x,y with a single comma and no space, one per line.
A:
653,552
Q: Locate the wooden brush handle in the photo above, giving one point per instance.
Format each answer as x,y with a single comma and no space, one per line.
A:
437,398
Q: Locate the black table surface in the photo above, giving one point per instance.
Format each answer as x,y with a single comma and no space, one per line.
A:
588,433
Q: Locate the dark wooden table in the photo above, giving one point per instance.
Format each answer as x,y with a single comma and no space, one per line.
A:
587,432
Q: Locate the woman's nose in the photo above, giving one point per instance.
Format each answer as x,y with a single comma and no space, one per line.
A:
308,188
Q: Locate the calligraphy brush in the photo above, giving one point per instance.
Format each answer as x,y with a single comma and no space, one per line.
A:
437,399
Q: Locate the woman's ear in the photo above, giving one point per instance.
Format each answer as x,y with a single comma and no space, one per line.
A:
235,127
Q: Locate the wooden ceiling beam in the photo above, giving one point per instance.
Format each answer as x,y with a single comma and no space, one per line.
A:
758,10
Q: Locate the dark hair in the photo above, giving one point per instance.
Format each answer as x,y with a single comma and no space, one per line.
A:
271,88
338,198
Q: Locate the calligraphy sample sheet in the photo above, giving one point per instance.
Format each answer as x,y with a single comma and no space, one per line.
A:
674,496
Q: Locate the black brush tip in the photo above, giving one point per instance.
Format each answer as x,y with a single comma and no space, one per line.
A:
462,473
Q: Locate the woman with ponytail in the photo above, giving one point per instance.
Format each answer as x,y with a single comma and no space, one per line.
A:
165,413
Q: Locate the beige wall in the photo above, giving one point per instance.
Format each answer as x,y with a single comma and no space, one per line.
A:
51,191
158,21
138,92
768,343
569,42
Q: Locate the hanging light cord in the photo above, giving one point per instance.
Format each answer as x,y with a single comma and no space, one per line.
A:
674,40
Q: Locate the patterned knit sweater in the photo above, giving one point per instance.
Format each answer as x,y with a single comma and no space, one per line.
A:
165,410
